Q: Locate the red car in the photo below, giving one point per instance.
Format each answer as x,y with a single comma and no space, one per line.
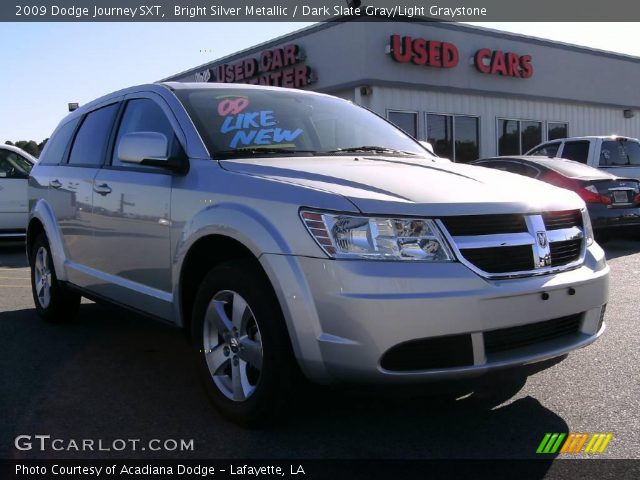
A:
612,201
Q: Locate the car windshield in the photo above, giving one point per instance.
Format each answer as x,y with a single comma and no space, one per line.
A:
244,122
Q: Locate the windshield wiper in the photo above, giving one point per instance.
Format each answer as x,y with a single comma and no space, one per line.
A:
259,151
372,149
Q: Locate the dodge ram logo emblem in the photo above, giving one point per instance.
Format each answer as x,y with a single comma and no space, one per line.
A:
542,239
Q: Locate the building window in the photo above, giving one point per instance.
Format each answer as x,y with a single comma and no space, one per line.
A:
508,137
516,137
406,121
531,135
454,136
557,130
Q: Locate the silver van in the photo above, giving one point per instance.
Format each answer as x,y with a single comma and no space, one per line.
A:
291,232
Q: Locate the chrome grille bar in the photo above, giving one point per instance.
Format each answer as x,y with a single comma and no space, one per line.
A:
538,237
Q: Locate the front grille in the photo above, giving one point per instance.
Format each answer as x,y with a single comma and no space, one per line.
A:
505,245
429,353
562,219
501,259
485,224
517,337
563,253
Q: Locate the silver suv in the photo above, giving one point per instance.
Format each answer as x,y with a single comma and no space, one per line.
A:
290,231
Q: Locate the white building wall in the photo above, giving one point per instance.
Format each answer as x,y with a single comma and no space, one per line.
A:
582,119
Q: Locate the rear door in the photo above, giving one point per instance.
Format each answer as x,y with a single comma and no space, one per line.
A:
70,191
14,172
131,214
620,157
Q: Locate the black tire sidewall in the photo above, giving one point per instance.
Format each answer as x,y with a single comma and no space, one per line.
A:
274,386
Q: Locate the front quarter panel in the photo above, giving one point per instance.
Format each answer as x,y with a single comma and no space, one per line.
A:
261,214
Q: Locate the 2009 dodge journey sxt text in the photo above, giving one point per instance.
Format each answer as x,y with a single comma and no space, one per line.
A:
287,229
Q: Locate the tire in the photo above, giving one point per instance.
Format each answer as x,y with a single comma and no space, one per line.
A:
245,360
54,303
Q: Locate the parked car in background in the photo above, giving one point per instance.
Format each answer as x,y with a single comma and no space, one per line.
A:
291,231
15,165
617,155
612,201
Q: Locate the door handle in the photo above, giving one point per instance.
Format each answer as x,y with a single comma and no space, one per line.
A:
102,189
55,183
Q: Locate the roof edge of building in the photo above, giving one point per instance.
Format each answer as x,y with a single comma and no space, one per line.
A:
438,24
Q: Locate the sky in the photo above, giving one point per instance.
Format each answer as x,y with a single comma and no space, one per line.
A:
48,65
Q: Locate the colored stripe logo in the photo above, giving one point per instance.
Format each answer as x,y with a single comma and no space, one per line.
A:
574,443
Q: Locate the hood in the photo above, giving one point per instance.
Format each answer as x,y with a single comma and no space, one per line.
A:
381,185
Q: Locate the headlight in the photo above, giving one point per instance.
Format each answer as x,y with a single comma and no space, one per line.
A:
588,229
377,238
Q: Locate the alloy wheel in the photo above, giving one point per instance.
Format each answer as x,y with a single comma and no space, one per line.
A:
42,277
232,345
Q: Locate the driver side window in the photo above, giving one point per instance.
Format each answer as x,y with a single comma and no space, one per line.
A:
143,115
13,165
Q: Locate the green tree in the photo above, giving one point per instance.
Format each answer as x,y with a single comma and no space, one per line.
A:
28,146
41,145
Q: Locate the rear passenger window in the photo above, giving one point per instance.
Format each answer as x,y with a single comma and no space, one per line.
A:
90,144
56,146
547,150
143,115
619,152
576,151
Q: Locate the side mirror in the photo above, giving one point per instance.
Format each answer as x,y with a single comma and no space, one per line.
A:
148,148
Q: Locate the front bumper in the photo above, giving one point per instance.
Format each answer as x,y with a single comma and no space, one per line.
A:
344,315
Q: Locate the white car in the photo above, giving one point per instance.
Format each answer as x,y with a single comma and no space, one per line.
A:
15,165
619,156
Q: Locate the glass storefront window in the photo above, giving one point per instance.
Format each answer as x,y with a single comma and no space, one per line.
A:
508,137
466,139
440,134
557,130
455,137
531,135
406,121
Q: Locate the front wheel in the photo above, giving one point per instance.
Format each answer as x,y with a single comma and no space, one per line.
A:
53,301
243,351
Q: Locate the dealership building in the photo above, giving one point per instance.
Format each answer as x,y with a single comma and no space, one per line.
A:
469,91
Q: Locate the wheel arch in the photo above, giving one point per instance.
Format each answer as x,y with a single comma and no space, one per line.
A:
43,220
203,255
34,229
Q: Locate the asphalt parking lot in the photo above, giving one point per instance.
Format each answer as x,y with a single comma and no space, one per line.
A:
112,374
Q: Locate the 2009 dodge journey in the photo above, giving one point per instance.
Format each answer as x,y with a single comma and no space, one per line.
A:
293,231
